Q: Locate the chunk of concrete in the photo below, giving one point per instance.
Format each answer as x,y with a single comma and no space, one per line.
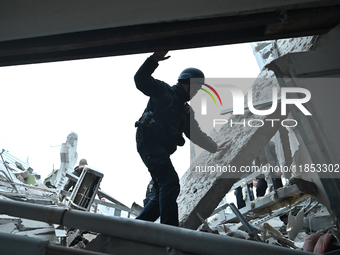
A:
8,228
295,224
32,225
201,192
44,233
318,221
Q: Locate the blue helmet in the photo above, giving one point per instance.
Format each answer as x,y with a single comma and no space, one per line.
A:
190,73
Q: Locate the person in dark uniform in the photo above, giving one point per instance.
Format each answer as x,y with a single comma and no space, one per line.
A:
77,172
159,132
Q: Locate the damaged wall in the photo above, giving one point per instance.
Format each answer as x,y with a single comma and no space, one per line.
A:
201,193
318,71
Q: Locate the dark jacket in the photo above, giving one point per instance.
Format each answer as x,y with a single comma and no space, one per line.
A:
70,183
173,114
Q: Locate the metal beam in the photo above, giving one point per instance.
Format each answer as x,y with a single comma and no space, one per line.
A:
144,232
15,244
9,244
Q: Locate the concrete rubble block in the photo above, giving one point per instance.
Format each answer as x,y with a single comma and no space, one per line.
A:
298,44
237,226
239,234
318,221
261,45
8,227
43,233
304,185
202,192
295,224
37,232
71,235
32,224
89,237
222,229
79,245
8,219
274,222
270,233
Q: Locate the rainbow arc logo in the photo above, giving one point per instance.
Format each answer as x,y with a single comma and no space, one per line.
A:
209,93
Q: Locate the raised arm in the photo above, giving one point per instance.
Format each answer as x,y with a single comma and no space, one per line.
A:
143,79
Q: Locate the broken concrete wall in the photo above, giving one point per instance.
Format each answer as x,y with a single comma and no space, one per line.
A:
318,72
202,192
270,50
30,228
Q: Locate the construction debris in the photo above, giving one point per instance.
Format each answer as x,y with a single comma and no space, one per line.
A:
288,219
201,192
296,206
18,182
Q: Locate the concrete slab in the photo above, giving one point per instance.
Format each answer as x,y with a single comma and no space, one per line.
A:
202,192
32,224
44,233
8,228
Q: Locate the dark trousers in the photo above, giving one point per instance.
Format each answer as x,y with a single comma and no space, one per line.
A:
239,198
166,185
262,185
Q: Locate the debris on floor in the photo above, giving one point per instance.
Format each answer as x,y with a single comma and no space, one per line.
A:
295,215
19,182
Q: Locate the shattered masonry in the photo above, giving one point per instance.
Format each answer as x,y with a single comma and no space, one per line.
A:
297,216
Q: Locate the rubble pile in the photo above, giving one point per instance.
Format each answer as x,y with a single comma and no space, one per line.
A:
30,228
307,226
296,216
18,182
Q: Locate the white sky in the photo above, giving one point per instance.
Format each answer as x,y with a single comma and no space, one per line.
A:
97,98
